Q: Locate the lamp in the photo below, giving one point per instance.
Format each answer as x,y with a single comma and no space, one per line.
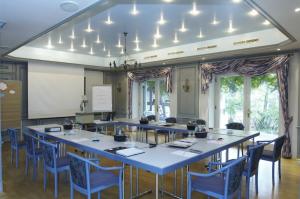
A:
186,86
125,65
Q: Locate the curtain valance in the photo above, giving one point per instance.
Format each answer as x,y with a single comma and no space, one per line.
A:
145,74
247,66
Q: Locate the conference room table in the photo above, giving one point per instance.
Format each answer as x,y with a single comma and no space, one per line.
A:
159,160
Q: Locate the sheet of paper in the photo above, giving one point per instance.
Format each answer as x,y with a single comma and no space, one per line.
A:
77,140
186,154
56,133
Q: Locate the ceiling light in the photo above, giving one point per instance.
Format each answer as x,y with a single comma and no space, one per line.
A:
72,49
157,34
69,6
104,48
215,21
168,1
134,11
162,21
122,51
137,48
91,51
49,45
72,36
266,23
297,9
108,54
203,58
183,28
119,45
200,34
136,39
89,29
253,13
108,20
278,49
98,41
164,63
83,45
154,45
230,28
194,10
236,1
60,41
175,38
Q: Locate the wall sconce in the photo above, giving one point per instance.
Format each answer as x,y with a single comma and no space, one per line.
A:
119,88
186,86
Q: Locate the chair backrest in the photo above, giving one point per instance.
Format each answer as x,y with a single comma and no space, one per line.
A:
30,143
235,126
200,122
49,153
13,137
171,120
278,143
79,170
254,154
234,172
151,117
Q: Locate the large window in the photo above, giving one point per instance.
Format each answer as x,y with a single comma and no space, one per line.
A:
156,99
251,101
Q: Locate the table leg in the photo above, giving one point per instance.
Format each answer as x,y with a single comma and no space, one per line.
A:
156,187
181,183
187,170
137,182
175,182
123,183
131,191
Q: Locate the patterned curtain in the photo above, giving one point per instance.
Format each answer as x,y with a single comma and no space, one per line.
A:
145,74
282,76
255,67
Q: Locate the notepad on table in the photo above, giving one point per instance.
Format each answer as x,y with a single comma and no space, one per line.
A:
179,144
129,152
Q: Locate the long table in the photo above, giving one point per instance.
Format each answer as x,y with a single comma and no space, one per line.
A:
159,160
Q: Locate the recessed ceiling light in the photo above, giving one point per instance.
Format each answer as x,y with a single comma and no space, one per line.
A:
203,58
72,49
83,45
108,20
136,39
104,48
154,45
266,23
236,1
194,10
89,29
134,11
122,51
278,49
215,21
137,48
168,1
69,6
91,51
200,36
60,41
231,29
297,9
157,34
175,38
164,63
98,41
119,45
183,28
162,21
72,36
253,13
108,54
49,45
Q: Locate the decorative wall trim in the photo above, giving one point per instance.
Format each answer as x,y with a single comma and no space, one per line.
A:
207,47
176,52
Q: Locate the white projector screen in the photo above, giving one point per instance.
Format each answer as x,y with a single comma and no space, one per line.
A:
54,90
102,98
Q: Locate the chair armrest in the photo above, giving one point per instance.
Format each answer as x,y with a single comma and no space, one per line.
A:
211,164
94,160
264,141
105,168
204,174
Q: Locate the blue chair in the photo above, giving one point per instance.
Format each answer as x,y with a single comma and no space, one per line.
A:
254,153
53,163
171,120
15,145
274,155
223,183
87,182
237,126
33,153
150,118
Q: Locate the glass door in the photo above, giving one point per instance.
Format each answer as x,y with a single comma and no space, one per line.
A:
231,100
156,99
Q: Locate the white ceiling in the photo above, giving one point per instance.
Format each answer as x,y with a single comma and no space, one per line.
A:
27,18
280,13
